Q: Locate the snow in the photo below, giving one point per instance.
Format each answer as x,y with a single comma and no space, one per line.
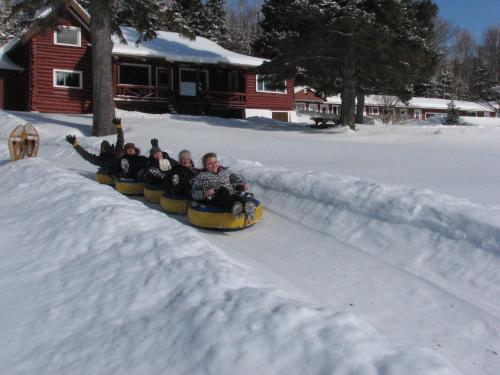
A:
172,47
5,62
378,254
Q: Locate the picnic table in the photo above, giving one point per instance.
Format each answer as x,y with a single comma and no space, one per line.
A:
325,120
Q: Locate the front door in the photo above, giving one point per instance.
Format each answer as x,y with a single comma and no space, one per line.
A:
163,81
188,78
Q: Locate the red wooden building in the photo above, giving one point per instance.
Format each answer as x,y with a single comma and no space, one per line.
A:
50,70
307,101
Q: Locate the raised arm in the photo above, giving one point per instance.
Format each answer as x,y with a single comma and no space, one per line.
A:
120,139
91,158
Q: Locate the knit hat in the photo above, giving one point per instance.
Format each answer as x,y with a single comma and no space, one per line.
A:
155,148
105,147
128,145
184,154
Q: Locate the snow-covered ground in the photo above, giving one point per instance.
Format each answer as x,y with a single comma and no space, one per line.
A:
379,253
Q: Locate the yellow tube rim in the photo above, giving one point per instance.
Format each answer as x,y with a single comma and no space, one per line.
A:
174,205
129,187
200,216
104,179
153,193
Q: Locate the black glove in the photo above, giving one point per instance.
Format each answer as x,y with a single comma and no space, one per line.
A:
71,139
234,179
154,142
239,188
117,121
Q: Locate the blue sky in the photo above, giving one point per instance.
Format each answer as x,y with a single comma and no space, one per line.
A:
475,15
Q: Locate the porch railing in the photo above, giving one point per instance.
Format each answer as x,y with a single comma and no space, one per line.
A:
158,93
141,92
224,98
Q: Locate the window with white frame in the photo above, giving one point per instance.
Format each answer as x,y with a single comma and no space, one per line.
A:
67,78
373,111
335,109
324,108
472,114
417,114
263,86
68,36
300,106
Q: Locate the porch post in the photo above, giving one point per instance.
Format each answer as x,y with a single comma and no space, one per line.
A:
197,80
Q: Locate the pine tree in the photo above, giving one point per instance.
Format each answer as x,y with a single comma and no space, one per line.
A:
452,114
339,46
206,19
105,18
11,25
216,29
482,82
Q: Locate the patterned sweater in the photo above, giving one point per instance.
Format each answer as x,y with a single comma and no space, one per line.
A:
207,180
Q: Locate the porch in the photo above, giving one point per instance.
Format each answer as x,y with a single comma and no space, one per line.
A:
182,88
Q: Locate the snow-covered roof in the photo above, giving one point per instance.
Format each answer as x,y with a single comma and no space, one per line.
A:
5,62
172,47
443,104
302,88
416,102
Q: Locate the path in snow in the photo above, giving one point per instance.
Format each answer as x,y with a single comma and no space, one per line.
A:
405,307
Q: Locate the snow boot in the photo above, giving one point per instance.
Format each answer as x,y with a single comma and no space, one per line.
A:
237,209
250,210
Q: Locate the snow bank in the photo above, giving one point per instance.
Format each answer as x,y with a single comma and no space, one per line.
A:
448,241
94,282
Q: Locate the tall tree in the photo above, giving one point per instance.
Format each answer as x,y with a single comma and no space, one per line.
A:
10,24
105,19
344,45
205,18
463,54
490,51
243,26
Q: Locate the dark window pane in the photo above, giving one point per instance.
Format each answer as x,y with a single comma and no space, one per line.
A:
134,75
72,80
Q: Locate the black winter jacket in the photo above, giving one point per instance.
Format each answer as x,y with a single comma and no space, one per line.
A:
133,166
181,185
107,161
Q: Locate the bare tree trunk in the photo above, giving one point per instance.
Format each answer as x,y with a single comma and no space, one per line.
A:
347,96
360,105
102,82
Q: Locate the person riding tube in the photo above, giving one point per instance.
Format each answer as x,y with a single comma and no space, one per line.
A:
219,186
107,160
159,165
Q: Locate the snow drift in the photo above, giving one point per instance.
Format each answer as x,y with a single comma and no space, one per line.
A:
452,242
